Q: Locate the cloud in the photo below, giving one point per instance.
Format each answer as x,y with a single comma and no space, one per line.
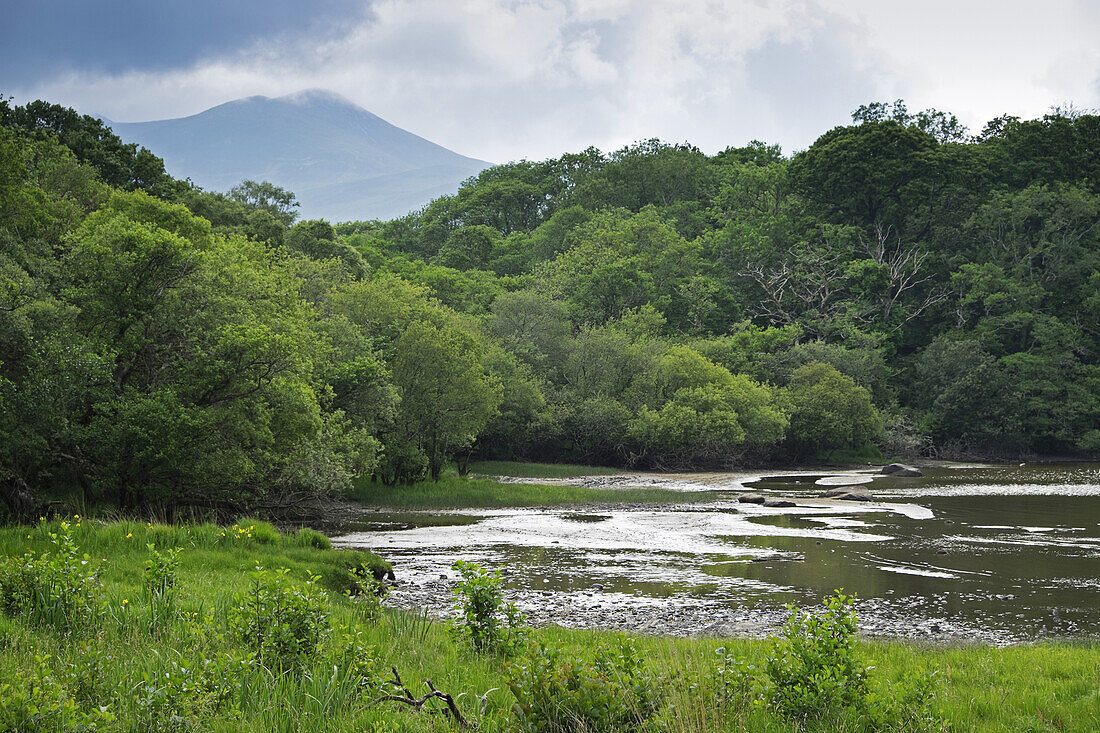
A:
504,79
42,39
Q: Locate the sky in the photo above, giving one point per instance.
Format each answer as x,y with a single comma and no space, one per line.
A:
502,80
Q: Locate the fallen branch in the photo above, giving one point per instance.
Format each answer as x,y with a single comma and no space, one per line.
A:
408,698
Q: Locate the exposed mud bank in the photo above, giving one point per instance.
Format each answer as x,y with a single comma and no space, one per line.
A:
964,554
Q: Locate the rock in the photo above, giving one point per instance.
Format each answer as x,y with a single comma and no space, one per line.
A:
751,499
848,493
779,503
900,469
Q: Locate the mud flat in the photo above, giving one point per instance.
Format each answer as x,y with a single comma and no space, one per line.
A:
962,554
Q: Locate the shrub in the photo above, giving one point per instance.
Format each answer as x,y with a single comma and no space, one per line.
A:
59,589
281,622
174,693
814,670
814,675
38,701
612,692
160,586
486,620
734,682
369,590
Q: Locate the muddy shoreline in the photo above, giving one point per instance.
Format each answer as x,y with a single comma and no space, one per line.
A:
689,618
994,555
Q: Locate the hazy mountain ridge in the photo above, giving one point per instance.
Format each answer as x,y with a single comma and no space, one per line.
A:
342,161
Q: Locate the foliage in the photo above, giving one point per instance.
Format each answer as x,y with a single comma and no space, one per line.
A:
613,690
266,196
486,620
815,670
37,700
201,676
58,589
283,623
829,411
173,350
160,586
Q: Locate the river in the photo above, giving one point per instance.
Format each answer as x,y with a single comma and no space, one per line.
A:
996,554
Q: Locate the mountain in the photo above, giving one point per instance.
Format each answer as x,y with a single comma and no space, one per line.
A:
342,162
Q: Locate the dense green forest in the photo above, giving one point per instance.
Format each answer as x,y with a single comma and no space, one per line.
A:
900,287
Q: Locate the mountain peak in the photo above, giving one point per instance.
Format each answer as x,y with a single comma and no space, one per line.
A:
341,161
316,96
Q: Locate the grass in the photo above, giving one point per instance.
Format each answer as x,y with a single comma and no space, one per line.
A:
452,492
194,674
521,469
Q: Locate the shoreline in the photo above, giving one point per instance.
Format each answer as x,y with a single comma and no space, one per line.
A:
879,620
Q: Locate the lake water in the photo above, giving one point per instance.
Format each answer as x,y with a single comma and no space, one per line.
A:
1001,554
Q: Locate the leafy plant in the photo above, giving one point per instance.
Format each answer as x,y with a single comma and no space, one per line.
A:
369,591
59,589
283,623
160,586
814,670
613,691
486,620
173,693
734,683
38,701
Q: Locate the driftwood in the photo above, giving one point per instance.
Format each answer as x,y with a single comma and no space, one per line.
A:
406,697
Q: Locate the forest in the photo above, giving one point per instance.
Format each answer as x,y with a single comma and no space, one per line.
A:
903,287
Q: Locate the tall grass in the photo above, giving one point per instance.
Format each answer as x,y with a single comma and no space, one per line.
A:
191,673
521,469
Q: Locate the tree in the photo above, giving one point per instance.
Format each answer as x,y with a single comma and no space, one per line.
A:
877,173
317,239
122,165
446,395
278,201
469,247
968,400
828,411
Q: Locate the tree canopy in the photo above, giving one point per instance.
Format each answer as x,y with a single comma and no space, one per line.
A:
898,284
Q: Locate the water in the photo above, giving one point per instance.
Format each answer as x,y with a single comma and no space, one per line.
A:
1003,554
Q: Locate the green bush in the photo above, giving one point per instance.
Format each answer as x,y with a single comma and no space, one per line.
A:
486,620
39,702
160,587
814,670
813,676
173,693
614,691
281,622
59,589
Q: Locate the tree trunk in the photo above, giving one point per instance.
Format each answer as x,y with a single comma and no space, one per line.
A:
21,501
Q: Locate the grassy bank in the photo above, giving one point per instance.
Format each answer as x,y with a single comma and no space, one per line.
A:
523,469
452,492
187,654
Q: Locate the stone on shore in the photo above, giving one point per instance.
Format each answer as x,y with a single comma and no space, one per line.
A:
779,503
751,498
848,493
900,469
